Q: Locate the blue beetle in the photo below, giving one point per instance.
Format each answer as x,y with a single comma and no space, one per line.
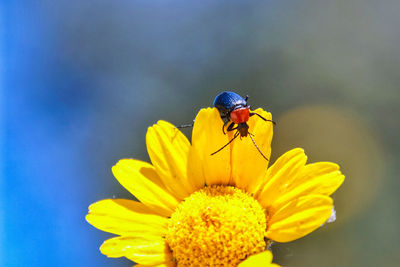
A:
234,108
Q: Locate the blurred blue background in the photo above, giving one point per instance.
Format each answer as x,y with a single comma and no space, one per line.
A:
82,80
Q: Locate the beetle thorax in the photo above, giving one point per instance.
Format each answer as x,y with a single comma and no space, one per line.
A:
240,115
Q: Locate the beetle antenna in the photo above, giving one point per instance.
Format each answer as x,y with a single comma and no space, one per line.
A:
230,141
253,113
254,142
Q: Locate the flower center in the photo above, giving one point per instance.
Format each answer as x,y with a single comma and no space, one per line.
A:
216,226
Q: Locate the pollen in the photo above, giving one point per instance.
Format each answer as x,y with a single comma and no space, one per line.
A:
216,226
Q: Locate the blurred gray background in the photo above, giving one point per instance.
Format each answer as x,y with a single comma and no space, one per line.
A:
82,81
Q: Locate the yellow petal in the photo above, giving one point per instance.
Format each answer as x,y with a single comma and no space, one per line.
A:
146,250
168,149
125,217
261,259
280,175
207,138
142,181
322,178
298,218
248,165
327,173
195,170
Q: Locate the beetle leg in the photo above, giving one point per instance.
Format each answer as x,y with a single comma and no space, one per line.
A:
230,127
223,126
184,126
253,113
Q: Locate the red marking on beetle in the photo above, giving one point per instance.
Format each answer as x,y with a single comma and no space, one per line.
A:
240,115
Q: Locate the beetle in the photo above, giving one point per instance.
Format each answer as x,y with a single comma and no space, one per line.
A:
234,110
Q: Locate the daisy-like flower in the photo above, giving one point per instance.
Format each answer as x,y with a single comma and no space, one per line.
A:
221,210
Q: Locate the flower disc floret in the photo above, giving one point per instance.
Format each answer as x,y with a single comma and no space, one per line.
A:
216,226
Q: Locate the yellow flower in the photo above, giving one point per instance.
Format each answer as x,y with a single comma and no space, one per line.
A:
225,209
